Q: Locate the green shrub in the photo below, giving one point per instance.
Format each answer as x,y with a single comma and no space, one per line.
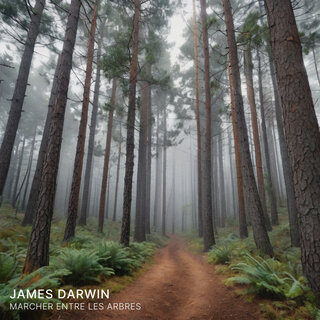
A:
83,265
220,255
115,256
265,279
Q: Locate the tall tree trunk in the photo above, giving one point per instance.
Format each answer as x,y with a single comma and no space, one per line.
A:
195,39
107,158
35,186
157,193
78,161
315,64
149,157
253,202
164,186
19,92
302,132
174,195
208,235
38,250
221,184
93,125
243,229
231,175
29,170
15,187
12,172
118,174
140,220
291,201
272,197
127,193
248,70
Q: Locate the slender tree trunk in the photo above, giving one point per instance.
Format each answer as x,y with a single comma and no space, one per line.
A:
29,170
140,220
221,184
157,193
118,174
208,235
291,201
315,64
248,70
35,187
302,132
107,158
253,202
38,250
149,157
174,195
195,39
19,92
78,161
13,170
127,193
15,188
243,229
272,197
164,186
93,125
231,175
108,198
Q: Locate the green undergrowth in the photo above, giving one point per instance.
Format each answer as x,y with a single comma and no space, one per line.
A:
89,259
276,284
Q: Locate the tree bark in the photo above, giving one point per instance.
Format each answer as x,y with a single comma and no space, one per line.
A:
208,235
301,130
243,229
29,170
78,161
93,125
221,184
107,158
149,157
253,202
19,92
272,197
127,193
140,221
38,250
291,201
118,174
248,67
157,193
35,187
164,185
12,171
195,39
15,188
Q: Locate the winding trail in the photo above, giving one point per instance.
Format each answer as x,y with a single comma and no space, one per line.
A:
179,286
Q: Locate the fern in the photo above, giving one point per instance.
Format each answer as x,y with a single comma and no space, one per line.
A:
43,278
83,265
113,255
220,255
265,279
8,266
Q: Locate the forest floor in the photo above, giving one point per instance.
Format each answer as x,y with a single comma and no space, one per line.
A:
180,285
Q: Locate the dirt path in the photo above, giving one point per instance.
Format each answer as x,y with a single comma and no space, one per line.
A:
180,286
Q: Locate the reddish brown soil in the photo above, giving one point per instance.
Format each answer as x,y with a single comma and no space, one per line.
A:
179,286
